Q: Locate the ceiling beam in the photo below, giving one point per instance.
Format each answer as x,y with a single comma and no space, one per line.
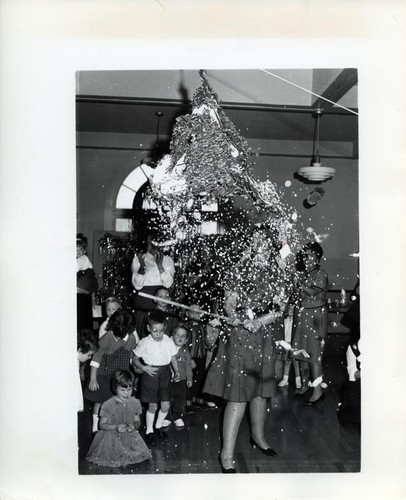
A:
150,101
344,82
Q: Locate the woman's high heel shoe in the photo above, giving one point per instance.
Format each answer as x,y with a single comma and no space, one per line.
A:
315,402
302,395
266,451
230,470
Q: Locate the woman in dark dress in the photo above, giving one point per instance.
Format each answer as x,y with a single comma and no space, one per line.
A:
243,370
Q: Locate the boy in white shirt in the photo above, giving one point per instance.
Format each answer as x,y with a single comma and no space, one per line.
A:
157,352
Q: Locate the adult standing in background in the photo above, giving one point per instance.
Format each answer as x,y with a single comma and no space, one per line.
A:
151,270
311,323
86,285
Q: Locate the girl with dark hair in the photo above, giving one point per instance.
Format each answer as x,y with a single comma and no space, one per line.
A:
118,443
151,270
310,324
115,353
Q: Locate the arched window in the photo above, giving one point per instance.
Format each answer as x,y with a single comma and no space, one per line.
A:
127,200
133,183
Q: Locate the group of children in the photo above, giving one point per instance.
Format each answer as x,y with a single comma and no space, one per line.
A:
164,364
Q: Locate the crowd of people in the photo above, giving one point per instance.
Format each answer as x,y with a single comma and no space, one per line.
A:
161,360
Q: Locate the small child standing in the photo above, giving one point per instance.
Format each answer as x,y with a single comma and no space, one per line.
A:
172,318
115,353
197,336
178,388
157,352
86,347
112,304
118,443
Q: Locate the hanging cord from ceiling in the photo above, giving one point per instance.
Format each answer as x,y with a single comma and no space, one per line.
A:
309,91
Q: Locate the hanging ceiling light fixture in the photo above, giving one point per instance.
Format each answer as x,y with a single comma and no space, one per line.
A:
316,172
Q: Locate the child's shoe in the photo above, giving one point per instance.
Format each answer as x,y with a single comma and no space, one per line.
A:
179,423
163,436
284,382
150,439
166,423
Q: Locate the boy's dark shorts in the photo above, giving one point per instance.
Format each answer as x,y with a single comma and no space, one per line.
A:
155,389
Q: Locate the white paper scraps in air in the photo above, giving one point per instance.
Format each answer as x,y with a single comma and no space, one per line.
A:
284,251
250,314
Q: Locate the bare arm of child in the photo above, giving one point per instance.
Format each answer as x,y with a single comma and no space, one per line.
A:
150,370
93,384
105,426
175,366
137,422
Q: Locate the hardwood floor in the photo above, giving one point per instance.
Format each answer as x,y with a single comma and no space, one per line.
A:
306,439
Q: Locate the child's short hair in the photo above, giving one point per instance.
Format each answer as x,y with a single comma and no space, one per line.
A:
180,325
120,324
81,241
86,341
121,378
112,300
156,316
193,311
159,289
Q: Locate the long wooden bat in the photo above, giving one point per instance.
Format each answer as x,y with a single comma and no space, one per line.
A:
178,304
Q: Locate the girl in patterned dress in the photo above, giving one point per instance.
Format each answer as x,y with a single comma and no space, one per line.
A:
115,353
118,442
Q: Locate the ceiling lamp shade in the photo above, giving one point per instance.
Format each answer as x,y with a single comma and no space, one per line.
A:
316,172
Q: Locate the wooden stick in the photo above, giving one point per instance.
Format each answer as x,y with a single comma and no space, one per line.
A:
177,304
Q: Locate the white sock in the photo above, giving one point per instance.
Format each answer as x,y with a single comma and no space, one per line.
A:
284,381
160,419
298,381
95,426
149,418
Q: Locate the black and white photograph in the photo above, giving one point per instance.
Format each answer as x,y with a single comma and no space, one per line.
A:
217,213
233,174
